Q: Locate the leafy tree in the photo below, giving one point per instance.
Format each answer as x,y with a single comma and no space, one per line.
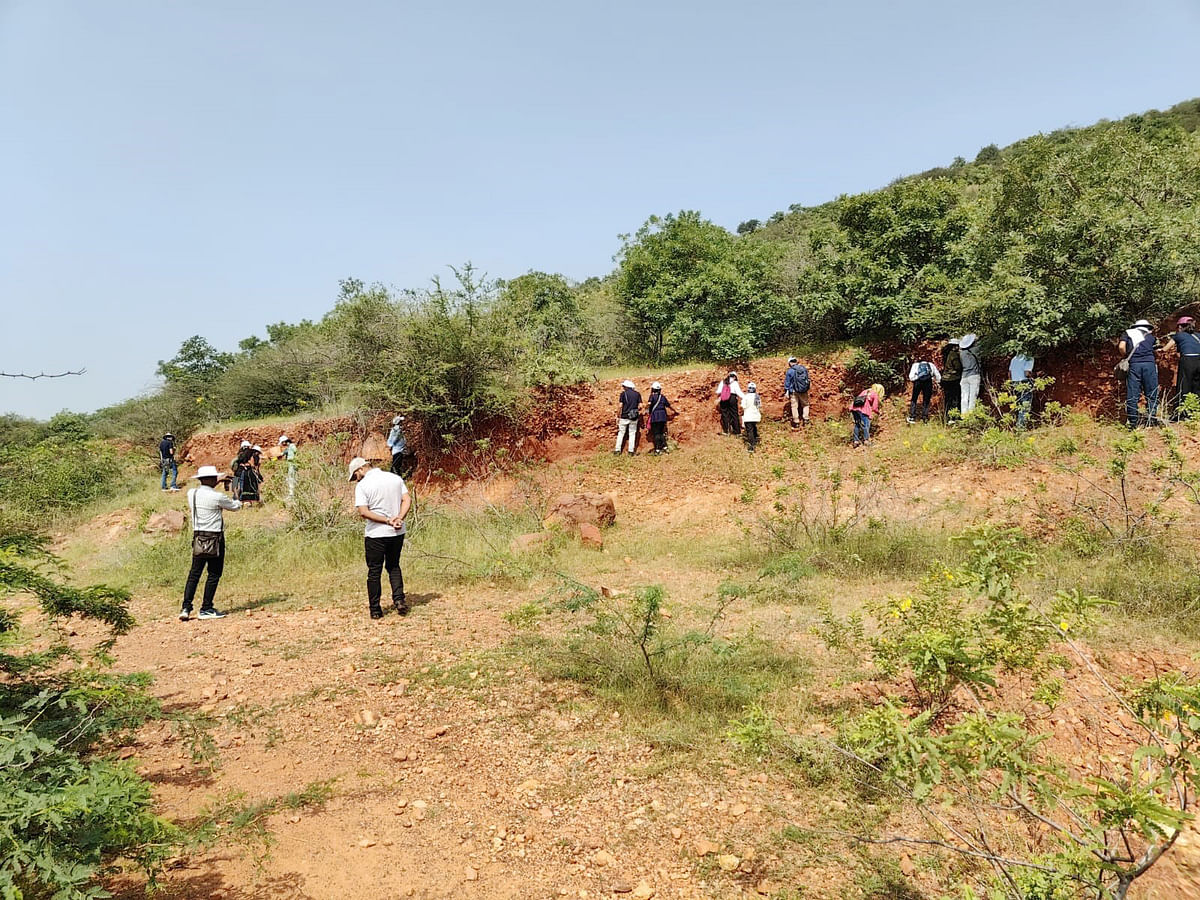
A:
693,289
988,154
749,226
197,362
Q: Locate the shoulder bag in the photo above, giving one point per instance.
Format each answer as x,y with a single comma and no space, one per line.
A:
205,544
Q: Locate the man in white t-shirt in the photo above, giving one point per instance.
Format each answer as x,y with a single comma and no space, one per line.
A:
383,500
206,505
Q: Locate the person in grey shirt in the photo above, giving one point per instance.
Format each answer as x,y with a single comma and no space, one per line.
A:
972,373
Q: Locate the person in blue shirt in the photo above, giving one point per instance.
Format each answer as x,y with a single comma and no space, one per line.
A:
1187,345
404,459
1136,347
658,406
796,385
166,461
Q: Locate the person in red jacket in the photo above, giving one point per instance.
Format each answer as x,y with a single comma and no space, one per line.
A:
864,408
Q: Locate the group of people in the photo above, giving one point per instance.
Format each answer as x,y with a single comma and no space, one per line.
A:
1138,368
381,498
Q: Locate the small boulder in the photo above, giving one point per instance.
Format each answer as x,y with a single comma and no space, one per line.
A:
571,510
524,543
169,522
590,536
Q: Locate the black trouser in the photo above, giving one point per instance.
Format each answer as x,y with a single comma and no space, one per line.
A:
953,397
751,434
1188,377
216,565
730,422
404,464
384,553
923,388
658,432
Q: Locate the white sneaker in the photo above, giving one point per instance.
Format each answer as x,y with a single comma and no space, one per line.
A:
183,615
210,614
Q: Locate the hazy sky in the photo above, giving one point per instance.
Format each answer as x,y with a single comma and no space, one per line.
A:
173,168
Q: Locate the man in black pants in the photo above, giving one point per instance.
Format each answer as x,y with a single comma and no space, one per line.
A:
206,505
383,500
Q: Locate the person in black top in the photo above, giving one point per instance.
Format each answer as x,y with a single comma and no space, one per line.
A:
659,405
166,461
627,419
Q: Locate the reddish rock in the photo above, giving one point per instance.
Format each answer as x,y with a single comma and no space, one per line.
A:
169,522
576,509
590,536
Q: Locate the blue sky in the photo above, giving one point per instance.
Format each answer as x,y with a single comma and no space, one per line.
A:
171,168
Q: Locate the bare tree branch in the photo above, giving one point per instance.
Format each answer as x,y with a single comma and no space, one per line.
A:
40,375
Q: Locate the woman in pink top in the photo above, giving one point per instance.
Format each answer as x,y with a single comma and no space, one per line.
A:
863,409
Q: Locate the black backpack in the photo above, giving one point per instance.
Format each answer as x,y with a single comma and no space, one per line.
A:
924,373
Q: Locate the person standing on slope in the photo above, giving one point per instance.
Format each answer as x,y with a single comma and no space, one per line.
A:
729,392
1187,345
796,385
288,452
923,375
751,415
382,498
1020,371
951,378
972,373
658,405
628,403
206,505
404,459
1136,346
166,461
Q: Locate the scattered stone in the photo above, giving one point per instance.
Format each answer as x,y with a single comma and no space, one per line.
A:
570,510
677,833
768,888
471,874
366,842
603,858
621,887
738,810
906,866
704,847
590,536
643,891
728,862
436,732
367,717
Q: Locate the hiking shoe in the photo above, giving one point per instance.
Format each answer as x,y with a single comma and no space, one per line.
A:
911,420
401,609
377,614
211,614
184,614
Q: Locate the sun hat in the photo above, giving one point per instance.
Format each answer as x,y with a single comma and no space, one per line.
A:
256,447
355,464
244,444
627,383
792,359
283,439
1142,323
967,340
656,386
397,420
207,472
169,435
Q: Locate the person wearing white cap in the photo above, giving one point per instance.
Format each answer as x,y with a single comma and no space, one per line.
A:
751,415
404,459
972,373
1141,372
289,453
728,394
382,498
658,406
206,506
628,404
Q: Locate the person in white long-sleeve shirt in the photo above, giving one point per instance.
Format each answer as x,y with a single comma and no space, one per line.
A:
924,375
206,506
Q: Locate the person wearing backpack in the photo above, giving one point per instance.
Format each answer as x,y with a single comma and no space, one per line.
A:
796,385
628,403
951,377
658,405
728,394
1140,368
751,415
863,409
923,375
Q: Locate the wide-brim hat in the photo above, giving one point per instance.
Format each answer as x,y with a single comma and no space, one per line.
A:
169,435
283,439
1142,323
244,444
355,464
967,340
656,386
208,472
627,383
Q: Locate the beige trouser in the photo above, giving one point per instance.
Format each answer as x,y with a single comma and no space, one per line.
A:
799,405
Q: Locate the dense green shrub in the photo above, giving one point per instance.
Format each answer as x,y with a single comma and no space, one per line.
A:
51,477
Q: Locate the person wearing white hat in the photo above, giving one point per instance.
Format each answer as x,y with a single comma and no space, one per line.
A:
1141,373
235,467
404,459
628,404
972,373
251,476
751,415
658,406
728,394
382,498
289,453
206,506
